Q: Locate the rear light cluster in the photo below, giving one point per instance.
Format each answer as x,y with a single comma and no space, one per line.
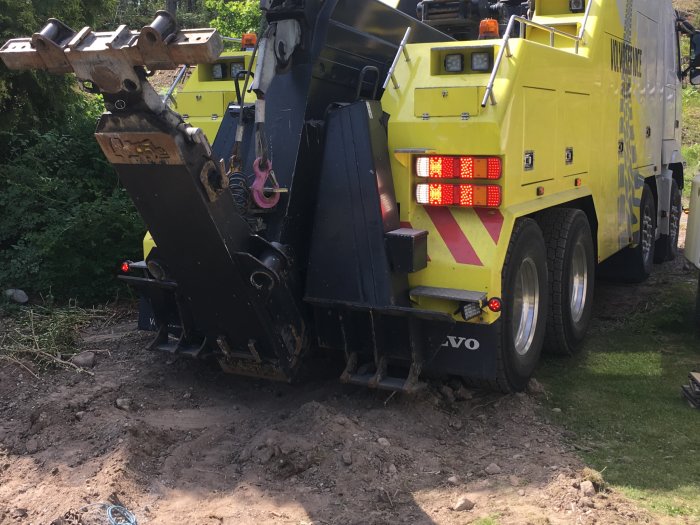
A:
466,195
459,168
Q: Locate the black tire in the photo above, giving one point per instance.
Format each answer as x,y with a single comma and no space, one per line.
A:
571,268
667,245
519,353
634,265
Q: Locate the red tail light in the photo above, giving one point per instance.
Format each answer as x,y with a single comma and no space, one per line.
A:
126,267
465,195
495,305
449,167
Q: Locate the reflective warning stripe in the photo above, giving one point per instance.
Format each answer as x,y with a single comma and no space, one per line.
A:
455,239
492,221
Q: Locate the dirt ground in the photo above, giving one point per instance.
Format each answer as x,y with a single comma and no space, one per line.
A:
180,442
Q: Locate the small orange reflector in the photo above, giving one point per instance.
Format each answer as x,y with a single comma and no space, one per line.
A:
451,167
540,191
465,195
488,28
248,41
495,304
125,267
578,183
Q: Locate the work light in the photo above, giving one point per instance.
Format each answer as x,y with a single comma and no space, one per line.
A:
481,62
454,63
217,71
576,6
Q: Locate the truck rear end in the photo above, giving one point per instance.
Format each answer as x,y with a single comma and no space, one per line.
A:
416,204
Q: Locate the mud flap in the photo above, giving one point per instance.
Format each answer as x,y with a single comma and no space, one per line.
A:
470,350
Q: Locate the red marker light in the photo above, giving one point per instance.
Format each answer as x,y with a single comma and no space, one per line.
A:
453,167
495,305
464,195
125,267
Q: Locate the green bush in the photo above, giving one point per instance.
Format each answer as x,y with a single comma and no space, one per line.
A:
66,223
235,17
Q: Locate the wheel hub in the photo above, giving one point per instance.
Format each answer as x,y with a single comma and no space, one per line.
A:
578,286
526,301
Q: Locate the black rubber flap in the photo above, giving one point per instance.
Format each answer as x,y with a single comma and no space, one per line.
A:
356,207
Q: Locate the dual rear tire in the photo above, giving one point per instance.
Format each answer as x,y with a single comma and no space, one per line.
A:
550,274
549,268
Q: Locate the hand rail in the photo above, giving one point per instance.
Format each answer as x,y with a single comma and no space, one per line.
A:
505,47
178,78
402,49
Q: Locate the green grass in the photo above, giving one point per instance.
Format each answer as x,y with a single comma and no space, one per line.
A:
491,520
621,397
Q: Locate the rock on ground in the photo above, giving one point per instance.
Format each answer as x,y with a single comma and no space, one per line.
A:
588,489
493,469
84,359
462,504
17,296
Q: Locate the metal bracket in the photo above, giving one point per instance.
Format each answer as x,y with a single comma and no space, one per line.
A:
107,59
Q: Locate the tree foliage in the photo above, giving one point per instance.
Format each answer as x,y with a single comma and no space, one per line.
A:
36,100
235,17
138,13
64,221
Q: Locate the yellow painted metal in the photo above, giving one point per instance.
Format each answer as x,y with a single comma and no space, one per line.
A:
571,110
201,104
203,99
148,245
447,102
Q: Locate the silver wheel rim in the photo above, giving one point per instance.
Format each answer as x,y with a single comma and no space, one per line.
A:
526,304
647,233
579,282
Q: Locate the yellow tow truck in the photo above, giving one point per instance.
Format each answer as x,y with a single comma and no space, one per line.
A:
421,190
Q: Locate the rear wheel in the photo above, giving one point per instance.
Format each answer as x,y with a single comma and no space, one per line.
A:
570,264
667,245
634,265
525,296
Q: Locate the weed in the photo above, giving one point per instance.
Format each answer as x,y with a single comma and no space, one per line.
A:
594,477
46,335
489,520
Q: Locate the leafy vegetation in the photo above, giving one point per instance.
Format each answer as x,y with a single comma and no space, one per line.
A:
65,221
621,397
691,101
37,101
138,13
233,18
